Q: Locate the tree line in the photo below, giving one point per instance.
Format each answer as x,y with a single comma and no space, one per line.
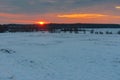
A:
54,27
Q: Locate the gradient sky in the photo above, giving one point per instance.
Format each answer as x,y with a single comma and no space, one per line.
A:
60,11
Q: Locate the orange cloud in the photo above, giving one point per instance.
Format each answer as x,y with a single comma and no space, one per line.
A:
117,7
89,18
86,16
81,16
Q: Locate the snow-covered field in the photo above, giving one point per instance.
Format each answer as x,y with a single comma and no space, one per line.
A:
64,56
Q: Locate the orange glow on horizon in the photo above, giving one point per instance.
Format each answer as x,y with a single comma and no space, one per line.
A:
74,17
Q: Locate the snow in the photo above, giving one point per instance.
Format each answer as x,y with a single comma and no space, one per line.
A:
59,56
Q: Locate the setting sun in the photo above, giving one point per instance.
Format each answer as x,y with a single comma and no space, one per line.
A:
41,22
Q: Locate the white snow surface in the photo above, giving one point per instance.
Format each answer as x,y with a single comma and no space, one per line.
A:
59,56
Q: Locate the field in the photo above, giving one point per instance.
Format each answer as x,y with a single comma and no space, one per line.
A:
59,56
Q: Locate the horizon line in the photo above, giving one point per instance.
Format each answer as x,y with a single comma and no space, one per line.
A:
52,23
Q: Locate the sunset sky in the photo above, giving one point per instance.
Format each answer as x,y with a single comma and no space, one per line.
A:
60,11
